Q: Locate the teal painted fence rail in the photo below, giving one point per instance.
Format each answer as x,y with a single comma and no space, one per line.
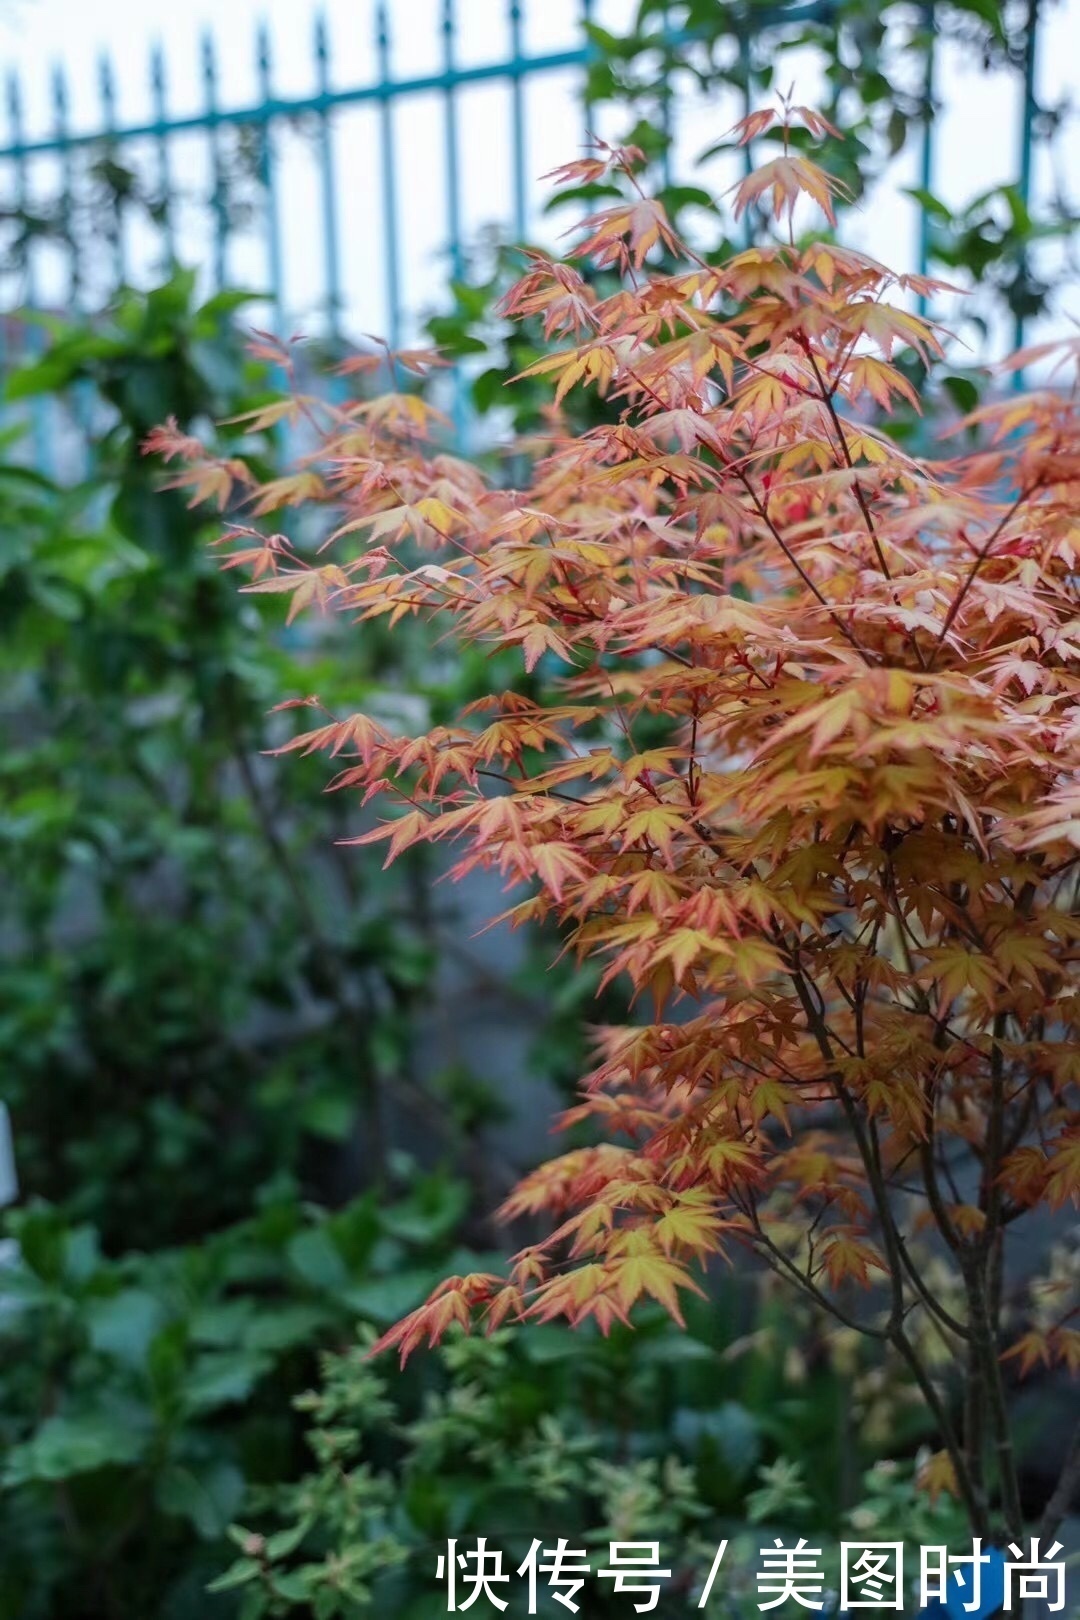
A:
266,117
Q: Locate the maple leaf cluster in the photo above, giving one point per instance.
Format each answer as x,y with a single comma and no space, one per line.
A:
805,773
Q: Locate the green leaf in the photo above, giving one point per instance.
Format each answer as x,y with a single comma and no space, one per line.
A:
285,1542
208,1498
67,1446
489,389
242,1573
316,1258
611,45
731,1431
962,391
676,197
124,1325
282,1327
330,1115
430,1214
386,1299
223,1378
225,1322
988,11
933,205
227,302
298,1584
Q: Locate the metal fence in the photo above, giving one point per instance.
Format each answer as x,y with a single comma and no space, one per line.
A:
263,121
256,130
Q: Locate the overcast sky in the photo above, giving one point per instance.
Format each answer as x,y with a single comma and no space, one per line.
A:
977,144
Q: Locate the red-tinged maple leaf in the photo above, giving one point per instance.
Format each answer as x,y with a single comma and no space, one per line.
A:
638,226
755,124
168,441
890,328
1066,1342
295,489
305,587
537,639
866,375
210,480
958,968
787,179
1063,1171
358,733
720,1162
1031,1350
418,361
826,721
413,827
937,1477
587,170
451,1304
506,1306
1023,1174
587,1290
690,1224
637,1267
260,559
557,865
771,1098
656,824
566,1180
845,1255
968,1220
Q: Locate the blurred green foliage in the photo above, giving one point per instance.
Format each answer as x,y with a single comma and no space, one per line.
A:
685,1439
207,1009
186,998
142,1397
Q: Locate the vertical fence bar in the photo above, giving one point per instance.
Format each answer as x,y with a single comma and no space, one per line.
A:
1028,115
82,393
107,93
268,177
1031,107
158,92
389,177
667,110
453,195
331,235
213,131
22,181
746,66
586,19
453,167
67,220
39,412
926,153
517,115
3,314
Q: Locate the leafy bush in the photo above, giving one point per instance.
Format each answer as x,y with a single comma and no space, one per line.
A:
809,784
536,1434
876,68
196,1035
539,1433
143,1396
184,1000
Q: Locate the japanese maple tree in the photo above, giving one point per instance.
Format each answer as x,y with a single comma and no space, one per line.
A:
805,773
